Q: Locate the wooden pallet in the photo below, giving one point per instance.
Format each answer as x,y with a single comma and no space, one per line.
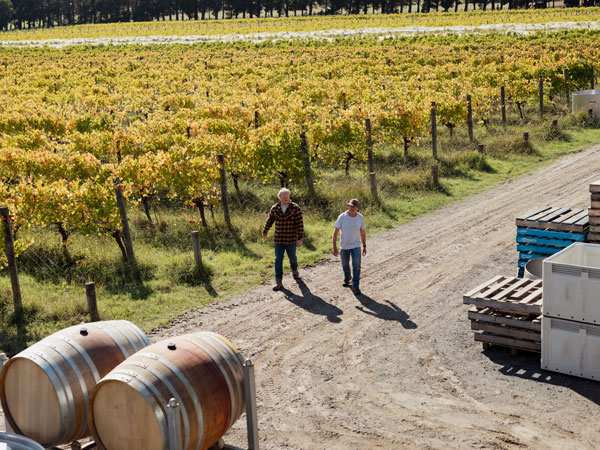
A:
507,312
514,344
594,213
525,322
538,243
595,187
593,237
563,219
540,233
508,294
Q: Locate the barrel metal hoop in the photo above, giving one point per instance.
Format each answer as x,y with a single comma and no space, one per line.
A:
109,330
84,391
142,338
56,376
177,397
236,368
230,347
70,404
85,356
144,387
150,393
220,343
188,387
203,344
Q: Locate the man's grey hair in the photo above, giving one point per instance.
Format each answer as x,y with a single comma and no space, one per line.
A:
283,191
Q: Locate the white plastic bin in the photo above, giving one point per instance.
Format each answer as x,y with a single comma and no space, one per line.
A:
586,100
571,347
571,284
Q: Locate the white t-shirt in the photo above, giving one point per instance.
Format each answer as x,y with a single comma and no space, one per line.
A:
350,227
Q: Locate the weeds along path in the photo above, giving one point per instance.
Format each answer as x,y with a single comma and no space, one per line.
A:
398,367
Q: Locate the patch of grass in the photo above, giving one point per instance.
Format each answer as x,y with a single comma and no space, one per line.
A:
184,270
235,260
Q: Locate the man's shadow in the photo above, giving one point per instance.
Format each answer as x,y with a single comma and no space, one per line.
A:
388,311
312,303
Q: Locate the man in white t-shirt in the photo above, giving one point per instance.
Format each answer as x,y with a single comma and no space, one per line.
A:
352,225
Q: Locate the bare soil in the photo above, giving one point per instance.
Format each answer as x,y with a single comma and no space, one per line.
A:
398,367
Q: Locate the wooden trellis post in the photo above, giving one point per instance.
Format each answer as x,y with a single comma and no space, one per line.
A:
370,159
470,117
12,265
433,130
126,231
224,196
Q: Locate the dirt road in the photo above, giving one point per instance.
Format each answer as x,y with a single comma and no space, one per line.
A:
398,366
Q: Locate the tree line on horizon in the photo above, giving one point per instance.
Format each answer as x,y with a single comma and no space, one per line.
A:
26,14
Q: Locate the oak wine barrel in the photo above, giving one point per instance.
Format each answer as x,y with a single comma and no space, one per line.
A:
45,389
202,371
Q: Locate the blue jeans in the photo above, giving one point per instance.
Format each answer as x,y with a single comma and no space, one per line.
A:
280,249
356,257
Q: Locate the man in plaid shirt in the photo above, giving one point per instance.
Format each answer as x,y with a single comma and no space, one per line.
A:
289,232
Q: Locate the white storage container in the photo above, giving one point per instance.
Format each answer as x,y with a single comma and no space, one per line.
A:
571,347
586,100
571,284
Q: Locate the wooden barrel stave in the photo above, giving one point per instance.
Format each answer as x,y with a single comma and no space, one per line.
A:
70,363
204,373
230,371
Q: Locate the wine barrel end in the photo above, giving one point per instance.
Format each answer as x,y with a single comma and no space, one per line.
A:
25,385
120,417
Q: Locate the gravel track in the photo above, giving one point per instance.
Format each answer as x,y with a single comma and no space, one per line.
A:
398,367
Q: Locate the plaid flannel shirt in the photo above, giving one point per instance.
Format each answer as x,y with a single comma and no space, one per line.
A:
289,227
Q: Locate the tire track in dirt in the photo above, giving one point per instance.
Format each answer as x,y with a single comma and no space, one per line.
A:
398,367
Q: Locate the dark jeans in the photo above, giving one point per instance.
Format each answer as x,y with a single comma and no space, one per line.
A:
280,249
356,257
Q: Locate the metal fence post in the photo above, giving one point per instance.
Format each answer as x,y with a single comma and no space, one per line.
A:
174,425
250,393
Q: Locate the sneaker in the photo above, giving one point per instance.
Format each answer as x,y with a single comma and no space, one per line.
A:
278,285
296,274
347,282
356,291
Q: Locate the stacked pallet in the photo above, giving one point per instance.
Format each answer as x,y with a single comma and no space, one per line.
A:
547,231
594,213
507,312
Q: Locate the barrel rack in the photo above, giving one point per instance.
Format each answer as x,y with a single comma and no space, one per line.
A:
174,415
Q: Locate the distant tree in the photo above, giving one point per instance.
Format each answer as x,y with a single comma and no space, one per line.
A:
190,8
6,13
